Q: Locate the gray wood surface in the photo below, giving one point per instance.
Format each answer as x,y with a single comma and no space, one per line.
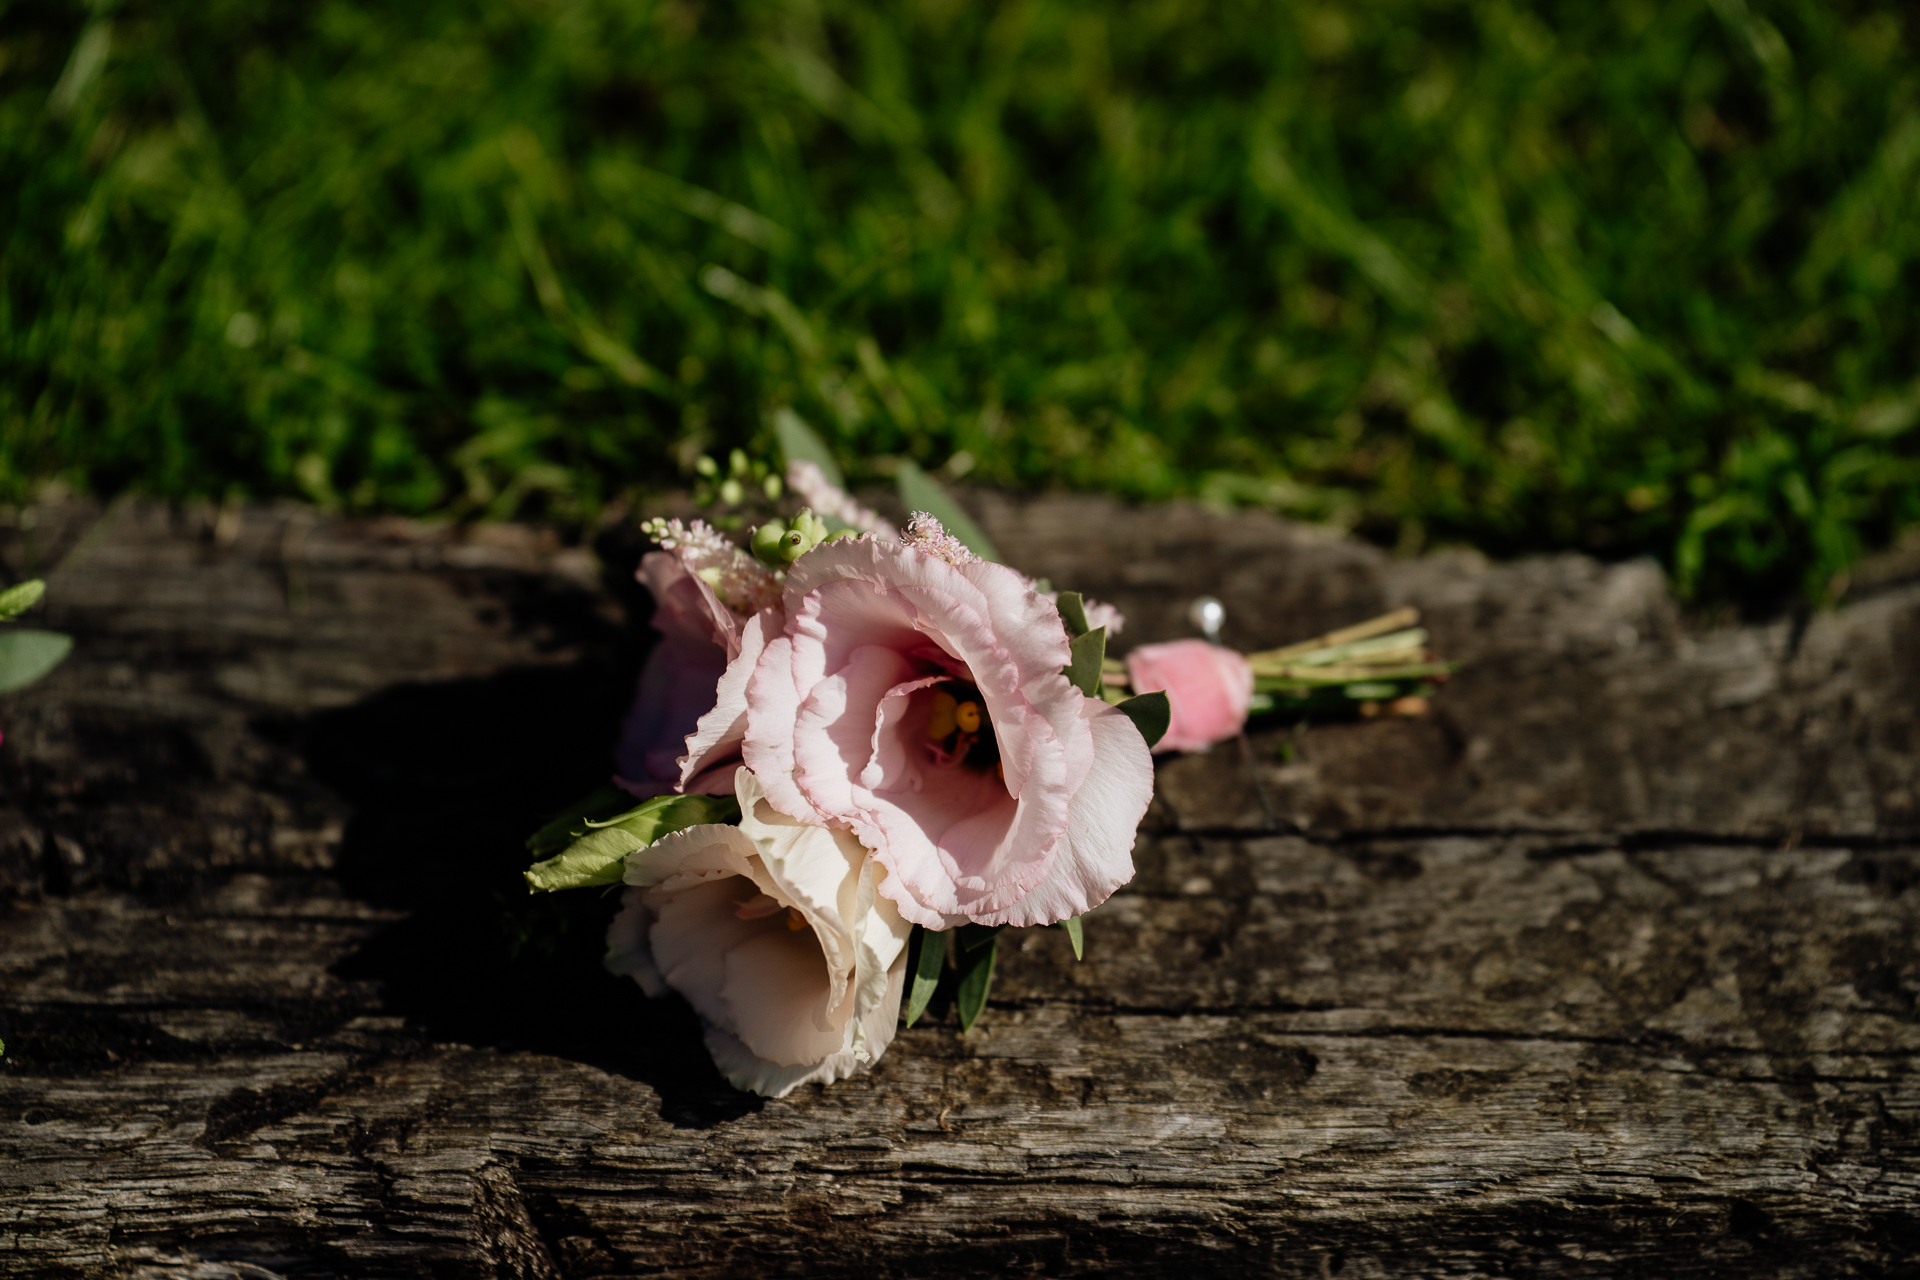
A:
1607,967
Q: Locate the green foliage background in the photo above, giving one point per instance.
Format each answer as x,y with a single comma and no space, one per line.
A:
1634,277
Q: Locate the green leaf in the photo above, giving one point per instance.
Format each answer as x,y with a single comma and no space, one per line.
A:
928,955
1083,671
599,856
800,443
1072,925
1073,612
1151,713
976,979
665,814
561,829
920,492
15,601
25,656
975,936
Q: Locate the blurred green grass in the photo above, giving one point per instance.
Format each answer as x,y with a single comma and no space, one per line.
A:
1635,278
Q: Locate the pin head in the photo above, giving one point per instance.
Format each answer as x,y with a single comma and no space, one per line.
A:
1209,615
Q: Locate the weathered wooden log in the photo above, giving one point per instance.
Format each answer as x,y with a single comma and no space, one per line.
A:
1608,966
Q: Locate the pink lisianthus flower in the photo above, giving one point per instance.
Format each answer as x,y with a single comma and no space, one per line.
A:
914,695
707,596
774,934
1208,688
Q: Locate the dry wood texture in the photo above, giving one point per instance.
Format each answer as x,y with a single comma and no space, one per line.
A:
1609,966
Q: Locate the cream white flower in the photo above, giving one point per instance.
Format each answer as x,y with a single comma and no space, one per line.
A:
775,934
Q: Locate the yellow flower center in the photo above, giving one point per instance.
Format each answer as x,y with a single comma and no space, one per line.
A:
959,728
949,714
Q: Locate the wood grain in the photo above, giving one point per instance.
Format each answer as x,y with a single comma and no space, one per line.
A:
1609,967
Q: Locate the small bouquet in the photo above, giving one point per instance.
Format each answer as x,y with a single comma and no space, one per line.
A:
1380,665
861,752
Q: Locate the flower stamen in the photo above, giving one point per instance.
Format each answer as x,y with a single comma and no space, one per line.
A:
925,533
945,717
959,730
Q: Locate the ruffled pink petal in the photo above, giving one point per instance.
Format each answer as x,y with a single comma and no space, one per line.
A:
714,745
773,706
1096,857
1209,688
685,603
838,617
898,759
947,851
833,734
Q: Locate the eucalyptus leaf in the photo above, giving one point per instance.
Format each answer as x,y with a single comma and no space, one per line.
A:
1083,670
25,656
1074,932
921,492
800,443
976,979
599,857
560,830
1073,612
929,955
665,814
15,601
1151,713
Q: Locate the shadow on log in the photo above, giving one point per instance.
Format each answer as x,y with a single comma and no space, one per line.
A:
446,780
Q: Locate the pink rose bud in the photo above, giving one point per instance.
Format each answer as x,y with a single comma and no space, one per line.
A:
1210,689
